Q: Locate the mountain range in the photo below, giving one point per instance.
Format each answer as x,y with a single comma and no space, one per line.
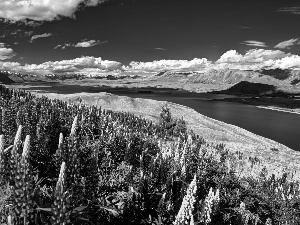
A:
281,79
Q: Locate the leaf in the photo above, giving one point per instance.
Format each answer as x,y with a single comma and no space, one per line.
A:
45,209
84,219
112,211
79,209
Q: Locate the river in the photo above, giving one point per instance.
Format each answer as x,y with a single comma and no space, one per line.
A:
279,126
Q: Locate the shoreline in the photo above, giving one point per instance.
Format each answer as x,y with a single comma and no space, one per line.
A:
191,90
287,110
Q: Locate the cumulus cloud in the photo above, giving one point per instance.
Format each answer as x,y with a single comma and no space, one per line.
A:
63,46
73,66
87,44
6,53
257,59
34,37
28,33
175,65
287,44
38,10
293,10
82,44
254,43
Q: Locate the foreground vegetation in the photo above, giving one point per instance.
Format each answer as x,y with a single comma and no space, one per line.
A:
63,163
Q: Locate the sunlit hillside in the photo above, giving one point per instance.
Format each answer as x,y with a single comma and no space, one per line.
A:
63,163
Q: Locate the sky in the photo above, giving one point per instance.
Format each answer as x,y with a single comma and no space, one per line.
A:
96,36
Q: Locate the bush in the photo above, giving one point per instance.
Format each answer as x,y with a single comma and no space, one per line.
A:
175,127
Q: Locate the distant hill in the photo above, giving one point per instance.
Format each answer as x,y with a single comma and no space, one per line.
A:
4,78
248,88
283,79
16,78
228,76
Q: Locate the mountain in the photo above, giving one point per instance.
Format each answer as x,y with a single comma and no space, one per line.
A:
275,77
249,88
5,79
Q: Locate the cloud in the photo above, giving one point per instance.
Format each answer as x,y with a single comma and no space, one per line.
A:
82,44
293,10
162,49
6,53
256,59
87,44
28,33
42,10
175,65
40,36
287,44
63,46
82,65
254,43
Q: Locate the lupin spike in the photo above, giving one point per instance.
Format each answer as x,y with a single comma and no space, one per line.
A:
61,139
1,143
18,136
26,146
74,125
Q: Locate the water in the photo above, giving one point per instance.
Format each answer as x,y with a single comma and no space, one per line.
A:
278,126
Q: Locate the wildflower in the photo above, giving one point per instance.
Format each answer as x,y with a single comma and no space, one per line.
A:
22,179
17,138
60,142
185,214
210,203
74,125
268,222
61,178
59,208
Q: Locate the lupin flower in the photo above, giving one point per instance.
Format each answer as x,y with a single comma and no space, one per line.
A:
22,179
59,208
60,140
9,220
268,222
210,203
185,214
61,178
26,147
1,153
74,125
17,138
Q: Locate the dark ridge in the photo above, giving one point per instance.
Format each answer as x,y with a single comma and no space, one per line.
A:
248,88
4,79
278,74
145,92
160,74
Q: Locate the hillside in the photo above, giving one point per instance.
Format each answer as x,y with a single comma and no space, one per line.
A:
274,77
5,79
87,165
249,88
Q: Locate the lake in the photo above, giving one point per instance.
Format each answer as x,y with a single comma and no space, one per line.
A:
279,126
